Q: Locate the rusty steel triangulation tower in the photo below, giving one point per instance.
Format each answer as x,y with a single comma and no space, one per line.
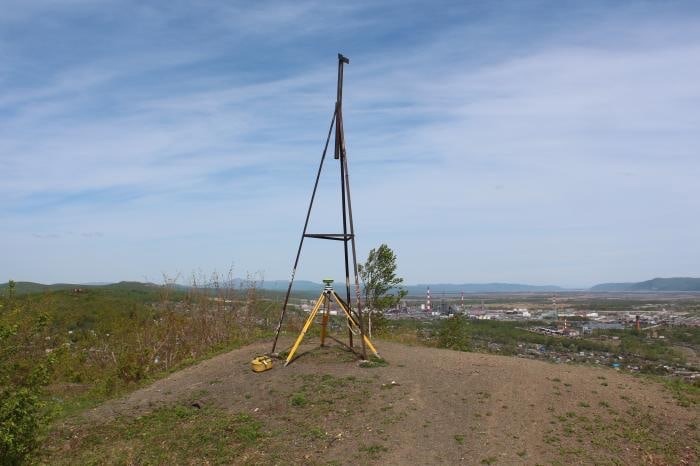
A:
348,235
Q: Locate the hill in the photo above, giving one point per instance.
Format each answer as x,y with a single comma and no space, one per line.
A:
427,406
310,288
687,284
301,287
32,287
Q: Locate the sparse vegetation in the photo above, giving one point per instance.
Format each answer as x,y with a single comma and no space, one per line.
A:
299,400
107,339
686,394
316,433
374,450
604,429
316,404
374,361
65,349
172,435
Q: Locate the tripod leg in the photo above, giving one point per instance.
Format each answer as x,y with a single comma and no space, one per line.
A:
370,346
324,322
312,316
353,322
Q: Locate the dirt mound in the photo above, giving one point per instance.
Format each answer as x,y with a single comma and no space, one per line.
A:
428,406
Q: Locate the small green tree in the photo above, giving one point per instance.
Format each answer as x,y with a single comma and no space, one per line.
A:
381,287
454,334
9,296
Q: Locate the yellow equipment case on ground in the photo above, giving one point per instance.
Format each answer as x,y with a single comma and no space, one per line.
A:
261,363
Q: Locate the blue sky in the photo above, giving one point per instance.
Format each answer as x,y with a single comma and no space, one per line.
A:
534,142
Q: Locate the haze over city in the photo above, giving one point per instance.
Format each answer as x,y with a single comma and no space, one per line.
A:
541,143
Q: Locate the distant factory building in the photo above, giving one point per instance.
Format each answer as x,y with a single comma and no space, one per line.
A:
590,326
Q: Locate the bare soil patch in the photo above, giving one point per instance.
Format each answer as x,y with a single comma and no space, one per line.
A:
427,406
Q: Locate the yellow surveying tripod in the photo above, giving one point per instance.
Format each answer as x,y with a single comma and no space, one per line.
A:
324,301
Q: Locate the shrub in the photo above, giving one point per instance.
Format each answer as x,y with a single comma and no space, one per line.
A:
454,334
21,380
20,421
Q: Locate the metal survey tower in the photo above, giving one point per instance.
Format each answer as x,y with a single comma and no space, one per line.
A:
348,234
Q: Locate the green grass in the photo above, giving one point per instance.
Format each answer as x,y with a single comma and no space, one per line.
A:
246,430
298,400
173,435
316,433
374,450
325,393
374,361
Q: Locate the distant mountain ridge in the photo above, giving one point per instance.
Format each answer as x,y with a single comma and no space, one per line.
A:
299,286
674,284
32,287
655,284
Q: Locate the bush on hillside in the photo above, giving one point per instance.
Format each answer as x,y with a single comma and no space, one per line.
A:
454,334
22,378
